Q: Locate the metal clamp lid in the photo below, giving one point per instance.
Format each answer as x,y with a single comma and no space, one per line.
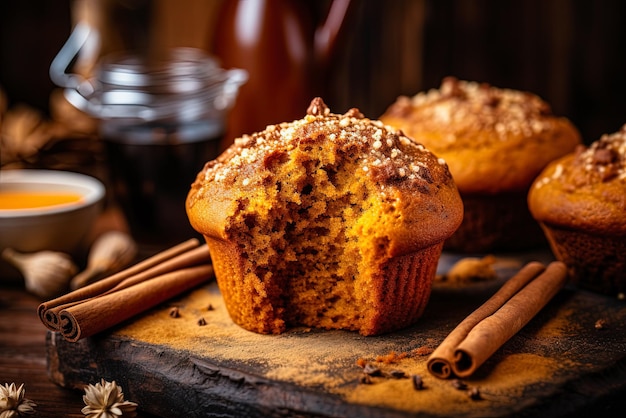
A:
187,84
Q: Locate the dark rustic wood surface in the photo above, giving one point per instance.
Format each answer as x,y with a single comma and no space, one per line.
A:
23,356
207,378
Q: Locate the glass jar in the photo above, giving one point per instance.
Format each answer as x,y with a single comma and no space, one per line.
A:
161,121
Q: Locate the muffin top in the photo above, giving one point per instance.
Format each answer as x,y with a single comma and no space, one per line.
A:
585,189
384,154
493,139
344,150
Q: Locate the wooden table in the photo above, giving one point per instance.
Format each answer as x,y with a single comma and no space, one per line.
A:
560,365
23,356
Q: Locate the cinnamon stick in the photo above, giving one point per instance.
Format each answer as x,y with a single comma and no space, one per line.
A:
47,313
185,254
486,329
99,313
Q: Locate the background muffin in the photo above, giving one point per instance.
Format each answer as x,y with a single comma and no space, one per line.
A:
330,221
495,141
580,201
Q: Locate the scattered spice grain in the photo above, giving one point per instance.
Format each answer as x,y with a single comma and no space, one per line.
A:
201,322
390,358
365,380
371,370
310,362
418,383
423,351
458,384
397,374
174,312
474,394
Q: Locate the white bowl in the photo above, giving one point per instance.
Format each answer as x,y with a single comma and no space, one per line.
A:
61,227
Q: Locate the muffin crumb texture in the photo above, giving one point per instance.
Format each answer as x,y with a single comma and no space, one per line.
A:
330,221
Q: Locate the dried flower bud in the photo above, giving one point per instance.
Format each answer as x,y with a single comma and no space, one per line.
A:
106,400
46,273
13,403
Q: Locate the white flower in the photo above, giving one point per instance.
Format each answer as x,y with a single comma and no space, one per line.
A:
106,400
13,404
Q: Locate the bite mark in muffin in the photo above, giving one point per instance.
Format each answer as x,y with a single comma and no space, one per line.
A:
331,221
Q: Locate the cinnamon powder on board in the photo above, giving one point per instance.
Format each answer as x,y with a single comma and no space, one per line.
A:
328,360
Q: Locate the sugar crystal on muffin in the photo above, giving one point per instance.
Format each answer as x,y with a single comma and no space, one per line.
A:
495,141
330,221
580,202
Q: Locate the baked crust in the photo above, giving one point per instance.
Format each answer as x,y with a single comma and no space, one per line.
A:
580,202
493,139
585,190
330,221
407,178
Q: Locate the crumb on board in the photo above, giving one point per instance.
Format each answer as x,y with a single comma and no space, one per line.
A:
471,269
390,358
423,351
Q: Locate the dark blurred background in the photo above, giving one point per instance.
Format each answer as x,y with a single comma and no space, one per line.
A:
571,53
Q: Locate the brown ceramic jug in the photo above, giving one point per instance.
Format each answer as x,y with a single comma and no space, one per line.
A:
287,52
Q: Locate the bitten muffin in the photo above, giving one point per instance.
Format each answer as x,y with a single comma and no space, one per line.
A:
331,221
580,201
495,141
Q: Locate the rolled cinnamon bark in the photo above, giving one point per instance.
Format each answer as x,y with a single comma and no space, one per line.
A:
99,313
486,329
185,254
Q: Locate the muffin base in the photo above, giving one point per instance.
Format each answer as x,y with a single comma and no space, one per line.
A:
595,262
496,223
391,296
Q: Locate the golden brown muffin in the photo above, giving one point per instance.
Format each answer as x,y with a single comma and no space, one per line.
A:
330,221
580,201
495,141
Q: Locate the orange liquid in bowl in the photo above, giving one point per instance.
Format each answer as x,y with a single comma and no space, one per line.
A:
12,200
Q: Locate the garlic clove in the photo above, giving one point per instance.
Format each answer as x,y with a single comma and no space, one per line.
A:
111,252
47,274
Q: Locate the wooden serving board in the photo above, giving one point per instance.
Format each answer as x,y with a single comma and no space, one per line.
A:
560,364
